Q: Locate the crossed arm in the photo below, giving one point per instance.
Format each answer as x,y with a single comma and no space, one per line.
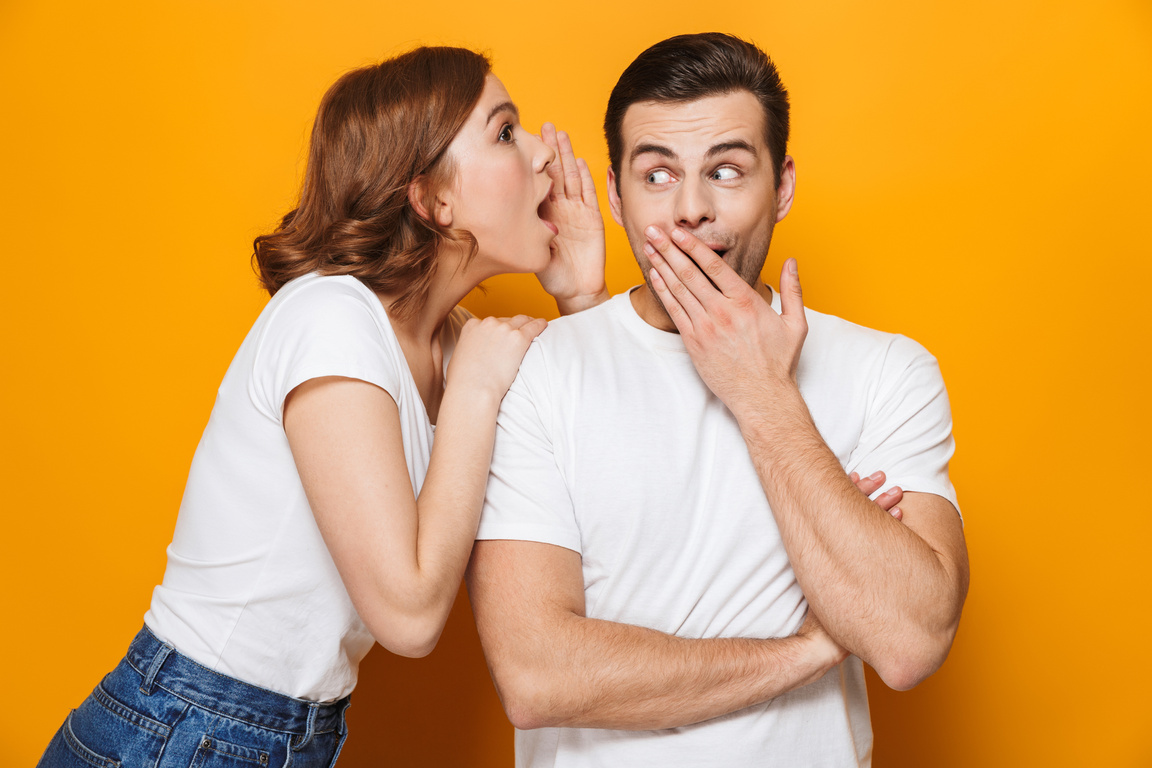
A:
553,666
889,593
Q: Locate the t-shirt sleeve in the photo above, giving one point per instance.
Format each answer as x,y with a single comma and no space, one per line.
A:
327,329
908,428
527,497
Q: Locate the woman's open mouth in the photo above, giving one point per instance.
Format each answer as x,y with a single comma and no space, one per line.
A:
543,211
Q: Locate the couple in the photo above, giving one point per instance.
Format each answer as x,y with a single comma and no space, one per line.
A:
671,565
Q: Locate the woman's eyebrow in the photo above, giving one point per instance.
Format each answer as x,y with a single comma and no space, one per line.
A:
504,106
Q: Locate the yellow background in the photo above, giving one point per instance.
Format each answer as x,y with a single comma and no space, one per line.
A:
972,174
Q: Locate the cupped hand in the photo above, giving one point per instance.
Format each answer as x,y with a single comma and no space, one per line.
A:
489,351
575,273
738,343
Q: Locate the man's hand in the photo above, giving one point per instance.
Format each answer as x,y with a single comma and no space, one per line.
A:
887,500
575,274
822,643
738,343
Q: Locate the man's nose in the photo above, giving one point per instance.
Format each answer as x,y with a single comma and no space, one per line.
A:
693,204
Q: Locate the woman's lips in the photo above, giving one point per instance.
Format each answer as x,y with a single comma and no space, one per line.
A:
542,212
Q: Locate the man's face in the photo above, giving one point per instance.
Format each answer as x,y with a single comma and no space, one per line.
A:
703,166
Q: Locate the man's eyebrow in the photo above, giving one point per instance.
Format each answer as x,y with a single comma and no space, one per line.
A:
719,149
504,106
657,149
716,149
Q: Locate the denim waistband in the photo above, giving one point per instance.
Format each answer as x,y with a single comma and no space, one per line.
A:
162,666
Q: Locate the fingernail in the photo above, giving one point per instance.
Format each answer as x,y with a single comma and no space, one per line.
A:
895,512
792,267
678,234
876,475
652,232
649,250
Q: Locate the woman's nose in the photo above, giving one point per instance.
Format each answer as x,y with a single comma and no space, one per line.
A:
544,155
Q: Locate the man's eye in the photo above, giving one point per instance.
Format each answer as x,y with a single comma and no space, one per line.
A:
506,134
724,174
659,177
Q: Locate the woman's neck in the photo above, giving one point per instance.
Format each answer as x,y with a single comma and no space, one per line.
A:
450,284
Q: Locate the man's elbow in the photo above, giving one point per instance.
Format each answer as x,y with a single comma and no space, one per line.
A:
530,700
909,665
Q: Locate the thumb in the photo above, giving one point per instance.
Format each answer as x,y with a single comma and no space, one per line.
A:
791,295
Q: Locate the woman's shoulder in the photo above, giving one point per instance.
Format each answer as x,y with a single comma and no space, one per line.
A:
314,289
319,303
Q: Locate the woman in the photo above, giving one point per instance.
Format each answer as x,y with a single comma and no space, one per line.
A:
318,517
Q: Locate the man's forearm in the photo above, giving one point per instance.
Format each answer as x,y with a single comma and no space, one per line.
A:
606,675
881,589
554,667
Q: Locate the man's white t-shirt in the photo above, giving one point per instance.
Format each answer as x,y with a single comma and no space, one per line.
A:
610,444
250,589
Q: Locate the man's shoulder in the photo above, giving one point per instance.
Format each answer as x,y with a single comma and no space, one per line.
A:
578,322
567,336
830,336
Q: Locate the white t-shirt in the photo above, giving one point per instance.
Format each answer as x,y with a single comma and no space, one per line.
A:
250,589
611,445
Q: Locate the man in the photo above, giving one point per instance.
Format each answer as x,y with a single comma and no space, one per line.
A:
673,563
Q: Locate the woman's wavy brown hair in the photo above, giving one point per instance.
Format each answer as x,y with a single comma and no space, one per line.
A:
378,129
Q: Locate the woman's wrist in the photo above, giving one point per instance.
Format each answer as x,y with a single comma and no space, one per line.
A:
570,305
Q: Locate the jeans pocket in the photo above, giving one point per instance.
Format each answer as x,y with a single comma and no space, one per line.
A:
214,752
104,733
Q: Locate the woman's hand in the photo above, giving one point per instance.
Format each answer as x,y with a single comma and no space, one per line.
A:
489,351
575,274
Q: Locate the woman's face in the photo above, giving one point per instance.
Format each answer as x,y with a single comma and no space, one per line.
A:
500,183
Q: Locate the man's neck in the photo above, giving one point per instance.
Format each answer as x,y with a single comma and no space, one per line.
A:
652,311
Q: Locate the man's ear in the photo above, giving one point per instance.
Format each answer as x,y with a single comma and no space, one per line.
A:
787,189
420,200
614,198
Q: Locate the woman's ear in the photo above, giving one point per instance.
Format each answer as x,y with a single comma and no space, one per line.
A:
420,200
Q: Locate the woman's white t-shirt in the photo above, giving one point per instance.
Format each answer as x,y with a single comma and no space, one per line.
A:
250,589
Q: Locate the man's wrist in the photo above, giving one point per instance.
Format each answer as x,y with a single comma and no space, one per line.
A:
772,404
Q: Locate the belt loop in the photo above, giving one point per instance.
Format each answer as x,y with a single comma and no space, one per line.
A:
154,668
310,729
344,715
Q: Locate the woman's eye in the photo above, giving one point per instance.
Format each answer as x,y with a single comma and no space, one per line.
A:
724,174
659,177
506,134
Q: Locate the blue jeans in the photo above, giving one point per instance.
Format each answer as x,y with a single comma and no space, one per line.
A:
160,709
